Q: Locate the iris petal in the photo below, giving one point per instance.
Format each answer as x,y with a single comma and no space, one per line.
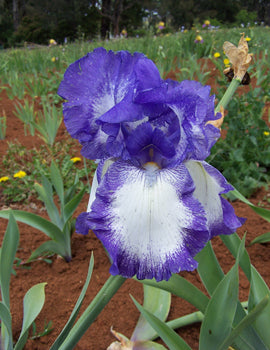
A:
98,89
210,185
148,220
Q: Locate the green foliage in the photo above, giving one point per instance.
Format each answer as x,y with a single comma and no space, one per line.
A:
26,114
245,17
35,163
46,330
235,326
3,126
62,225
48,122
244,155
33,300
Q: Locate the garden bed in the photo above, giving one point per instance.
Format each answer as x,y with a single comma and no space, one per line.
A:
65,280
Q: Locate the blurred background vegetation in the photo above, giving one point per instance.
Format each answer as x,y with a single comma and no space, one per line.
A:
67,20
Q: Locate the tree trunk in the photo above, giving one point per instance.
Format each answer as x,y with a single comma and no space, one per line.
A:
117,14
105,21
15,11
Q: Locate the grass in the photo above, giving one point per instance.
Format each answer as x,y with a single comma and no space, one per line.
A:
243,157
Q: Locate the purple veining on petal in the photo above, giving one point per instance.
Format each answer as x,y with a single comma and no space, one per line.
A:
115,205
99,89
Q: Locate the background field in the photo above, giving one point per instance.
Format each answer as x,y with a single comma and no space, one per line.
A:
33,134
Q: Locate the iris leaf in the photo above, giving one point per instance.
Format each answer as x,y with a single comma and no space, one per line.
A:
8,252
47,227
172,339
264,213
46,195
232,242
182,288
65,331
51,247
247,321
32,304
264,238
211,275
258,291
57,181
209,269
156,301
5,317
220,312
71,206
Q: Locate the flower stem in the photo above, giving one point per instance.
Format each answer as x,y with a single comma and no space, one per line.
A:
228,94
105,294
189,319
186,320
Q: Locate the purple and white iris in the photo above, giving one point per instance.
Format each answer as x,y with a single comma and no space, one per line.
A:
154,202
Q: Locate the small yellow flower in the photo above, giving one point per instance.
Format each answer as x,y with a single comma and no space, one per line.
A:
20,174
266,133
52,42
4,178
53,59
226,61
198,39
207,22
247,38
76,159
216,54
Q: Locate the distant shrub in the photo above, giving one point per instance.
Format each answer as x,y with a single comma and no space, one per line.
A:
245,17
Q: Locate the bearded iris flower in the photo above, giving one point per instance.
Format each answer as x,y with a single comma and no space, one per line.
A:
154,202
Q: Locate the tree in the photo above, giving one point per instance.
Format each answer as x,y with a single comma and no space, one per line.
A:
113,11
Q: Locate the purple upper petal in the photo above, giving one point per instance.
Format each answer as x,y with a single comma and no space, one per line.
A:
99,89
193,106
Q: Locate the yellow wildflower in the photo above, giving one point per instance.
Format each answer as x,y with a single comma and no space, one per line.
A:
198,39
266,133
216,54
75,159
238,56
207,23
20,174
4,178
247,38
161,25
52,42
226,61
53,59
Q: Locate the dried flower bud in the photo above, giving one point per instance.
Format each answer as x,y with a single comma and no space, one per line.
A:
124,343
238,56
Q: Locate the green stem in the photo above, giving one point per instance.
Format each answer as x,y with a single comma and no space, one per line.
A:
189,319
228,95
186,320
108,290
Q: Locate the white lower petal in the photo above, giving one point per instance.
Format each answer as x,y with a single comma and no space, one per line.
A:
93,191
149,217
207,191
